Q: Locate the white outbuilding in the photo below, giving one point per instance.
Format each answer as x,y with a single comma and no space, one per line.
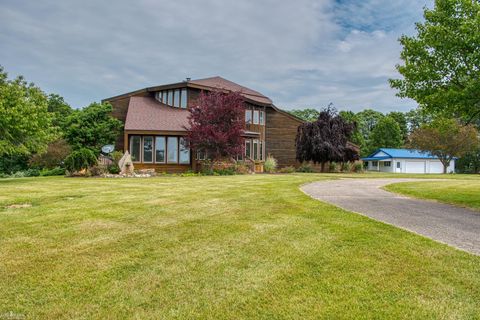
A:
405,161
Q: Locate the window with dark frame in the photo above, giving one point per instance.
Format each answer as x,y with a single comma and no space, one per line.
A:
248,153
183,99
184,152
172,149
135,142
160,149
387,163
147,149
248,116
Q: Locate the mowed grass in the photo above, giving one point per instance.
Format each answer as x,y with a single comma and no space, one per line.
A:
459,192
238,247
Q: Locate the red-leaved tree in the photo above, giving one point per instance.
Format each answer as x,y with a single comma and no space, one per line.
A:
216,124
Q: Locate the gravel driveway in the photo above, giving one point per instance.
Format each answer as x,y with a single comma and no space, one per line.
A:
456,226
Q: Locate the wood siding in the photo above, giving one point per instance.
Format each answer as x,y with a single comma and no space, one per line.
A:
281,130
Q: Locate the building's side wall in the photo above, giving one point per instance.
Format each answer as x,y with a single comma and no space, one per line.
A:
280,133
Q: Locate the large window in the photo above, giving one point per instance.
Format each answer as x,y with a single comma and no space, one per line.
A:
172,149
175,98
184,152
183,99
160,149
147,149
255,117
135,142
248,116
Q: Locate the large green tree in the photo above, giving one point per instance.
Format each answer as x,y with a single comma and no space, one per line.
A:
92,127
59,109
308,114
25,123
401,120
446,139
386,134
356,137
441,63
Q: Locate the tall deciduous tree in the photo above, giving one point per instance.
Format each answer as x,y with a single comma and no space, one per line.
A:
326,139
441,69
446,139
356,137
401,119
386,134
92,127
59,109
216,124
25,123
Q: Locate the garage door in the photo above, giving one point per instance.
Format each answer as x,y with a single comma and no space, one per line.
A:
436,167
415,167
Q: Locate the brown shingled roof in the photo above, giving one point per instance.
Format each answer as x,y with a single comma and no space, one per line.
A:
221,83
146,113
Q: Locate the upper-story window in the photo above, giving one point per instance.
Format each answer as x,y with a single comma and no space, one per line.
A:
248,116
262,117
256,117
174,98
183,98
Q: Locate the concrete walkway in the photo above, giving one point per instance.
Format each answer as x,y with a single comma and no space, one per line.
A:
456,226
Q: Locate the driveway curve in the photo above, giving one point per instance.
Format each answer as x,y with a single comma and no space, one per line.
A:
455,226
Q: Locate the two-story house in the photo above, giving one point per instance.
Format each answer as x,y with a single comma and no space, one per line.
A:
155,122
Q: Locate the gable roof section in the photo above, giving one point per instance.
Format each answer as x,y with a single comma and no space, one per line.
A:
213,83
146,113
220,83
388,153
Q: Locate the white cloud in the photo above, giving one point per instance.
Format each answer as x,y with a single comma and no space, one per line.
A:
300,53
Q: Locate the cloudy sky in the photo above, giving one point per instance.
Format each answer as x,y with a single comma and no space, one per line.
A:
302,53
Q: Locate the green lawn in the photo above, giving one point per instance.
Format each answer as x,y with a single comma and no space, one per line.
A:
238,247
459,192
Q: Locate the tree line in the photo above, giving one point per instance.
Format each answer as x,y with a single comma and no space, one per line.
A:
40,131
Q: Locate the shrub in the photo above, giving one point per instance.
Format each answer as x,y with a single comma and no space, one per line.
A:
358,167
53,157
347,167
58,171
289,169
224,172
80,159
270,165
190,173
98,170
116,156
333,167
305,167
113,168
32,173
242,168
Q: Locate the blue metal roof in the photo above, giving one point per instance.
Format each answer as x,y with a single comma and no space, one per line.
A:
400,153
375,158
